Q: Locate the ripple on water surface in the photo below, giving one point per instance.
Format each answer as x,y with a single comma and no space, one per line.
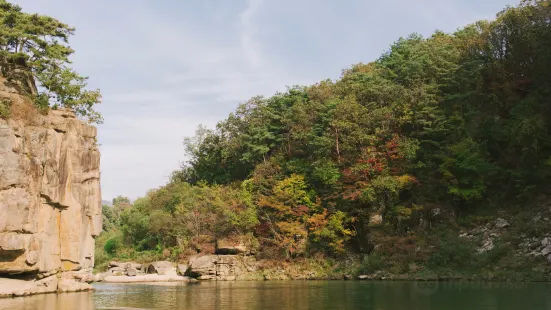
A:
297,295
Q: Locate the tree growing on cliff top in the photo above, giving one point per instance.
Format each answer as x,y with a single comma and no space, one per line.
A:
34,54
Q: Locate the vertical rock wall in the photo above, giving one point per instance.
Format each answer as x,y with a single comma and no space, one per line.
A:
50,197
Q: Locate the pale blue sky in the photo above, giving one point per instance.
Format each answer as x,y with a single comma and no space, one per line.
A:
165,66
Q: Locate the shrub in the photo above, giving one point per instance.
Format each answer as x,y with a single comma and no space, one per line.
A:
370,264
453,252
5,108
112,245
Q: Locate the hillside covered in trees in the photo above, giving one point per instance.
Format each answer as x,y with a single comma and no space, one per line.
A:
389,168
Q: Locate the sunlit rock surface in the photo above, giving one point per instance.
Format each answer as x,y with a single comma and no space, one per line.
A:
50,197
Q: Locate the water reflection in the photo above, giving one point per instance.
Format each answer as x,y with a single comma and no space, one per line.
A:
67,301
299,295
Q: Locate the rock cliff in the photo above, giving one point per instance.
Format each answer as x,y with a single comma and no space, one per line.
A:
50,198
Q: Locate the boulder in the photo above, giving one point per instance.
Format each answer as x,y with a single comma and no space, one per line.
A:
162,268
115,264
13,287
347,277
487,245
546,250
375,219
133,265
67,285
100,276
203,266
221,267
363,277
501,223
182,269
117,270
232,250
131,272
47,285
85,277
51,284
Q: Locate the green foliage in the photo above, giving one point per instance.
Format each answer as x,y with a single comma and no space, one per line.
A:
5,107
370,264
448,124
34,54
466,170
453,253
187,217
136,225
330,231
112,245
121,201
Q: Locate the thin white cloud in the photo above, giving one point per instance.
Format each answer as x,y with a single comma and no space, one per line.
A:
248,31
166,66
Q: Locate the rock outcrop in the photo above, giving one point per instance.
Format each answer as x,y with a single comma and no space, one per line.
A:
221,267
50,199
162,268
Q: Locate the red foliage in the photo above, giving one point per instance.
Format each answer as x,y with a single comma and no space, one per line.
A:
383,159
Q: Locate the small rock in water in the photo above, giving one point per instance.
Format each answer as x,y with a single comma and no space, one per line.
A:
347,277
363,277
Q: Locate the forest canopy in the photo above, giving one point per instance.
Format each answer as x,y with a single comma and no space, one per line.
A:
446,124
34,54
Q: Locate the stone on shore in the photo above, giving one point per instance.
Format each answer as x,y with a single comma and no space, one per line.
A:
162,268
182,269
15,287
131,272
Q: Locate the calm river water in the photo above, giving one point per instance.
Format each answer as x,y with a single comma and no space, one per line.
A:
298,295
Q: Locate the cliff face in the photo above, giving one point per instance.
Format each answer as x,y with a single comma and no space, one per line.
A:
50,198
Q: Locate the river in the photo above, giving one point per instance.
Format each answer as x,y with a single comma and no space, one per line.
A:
297,295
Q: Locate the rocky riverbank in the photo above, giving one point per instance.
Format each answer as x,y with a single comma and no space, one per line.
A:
207,267
130,272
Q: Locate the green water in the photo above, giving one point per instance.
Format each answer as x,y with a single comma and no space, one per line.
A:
299,295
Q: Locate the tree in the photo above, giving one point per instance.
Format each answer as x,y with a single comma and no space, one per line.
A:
447,122
34,55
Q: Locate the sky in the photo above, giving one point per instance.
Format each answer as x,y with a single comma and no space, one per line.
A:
166,66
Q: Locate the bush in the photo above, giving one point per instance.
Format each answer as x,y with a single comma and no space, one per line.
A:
5,107
453,252
112,245
370,264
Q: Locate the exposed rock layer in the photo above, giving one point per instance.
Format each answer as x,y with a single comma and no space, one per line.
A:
50,199
221,267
